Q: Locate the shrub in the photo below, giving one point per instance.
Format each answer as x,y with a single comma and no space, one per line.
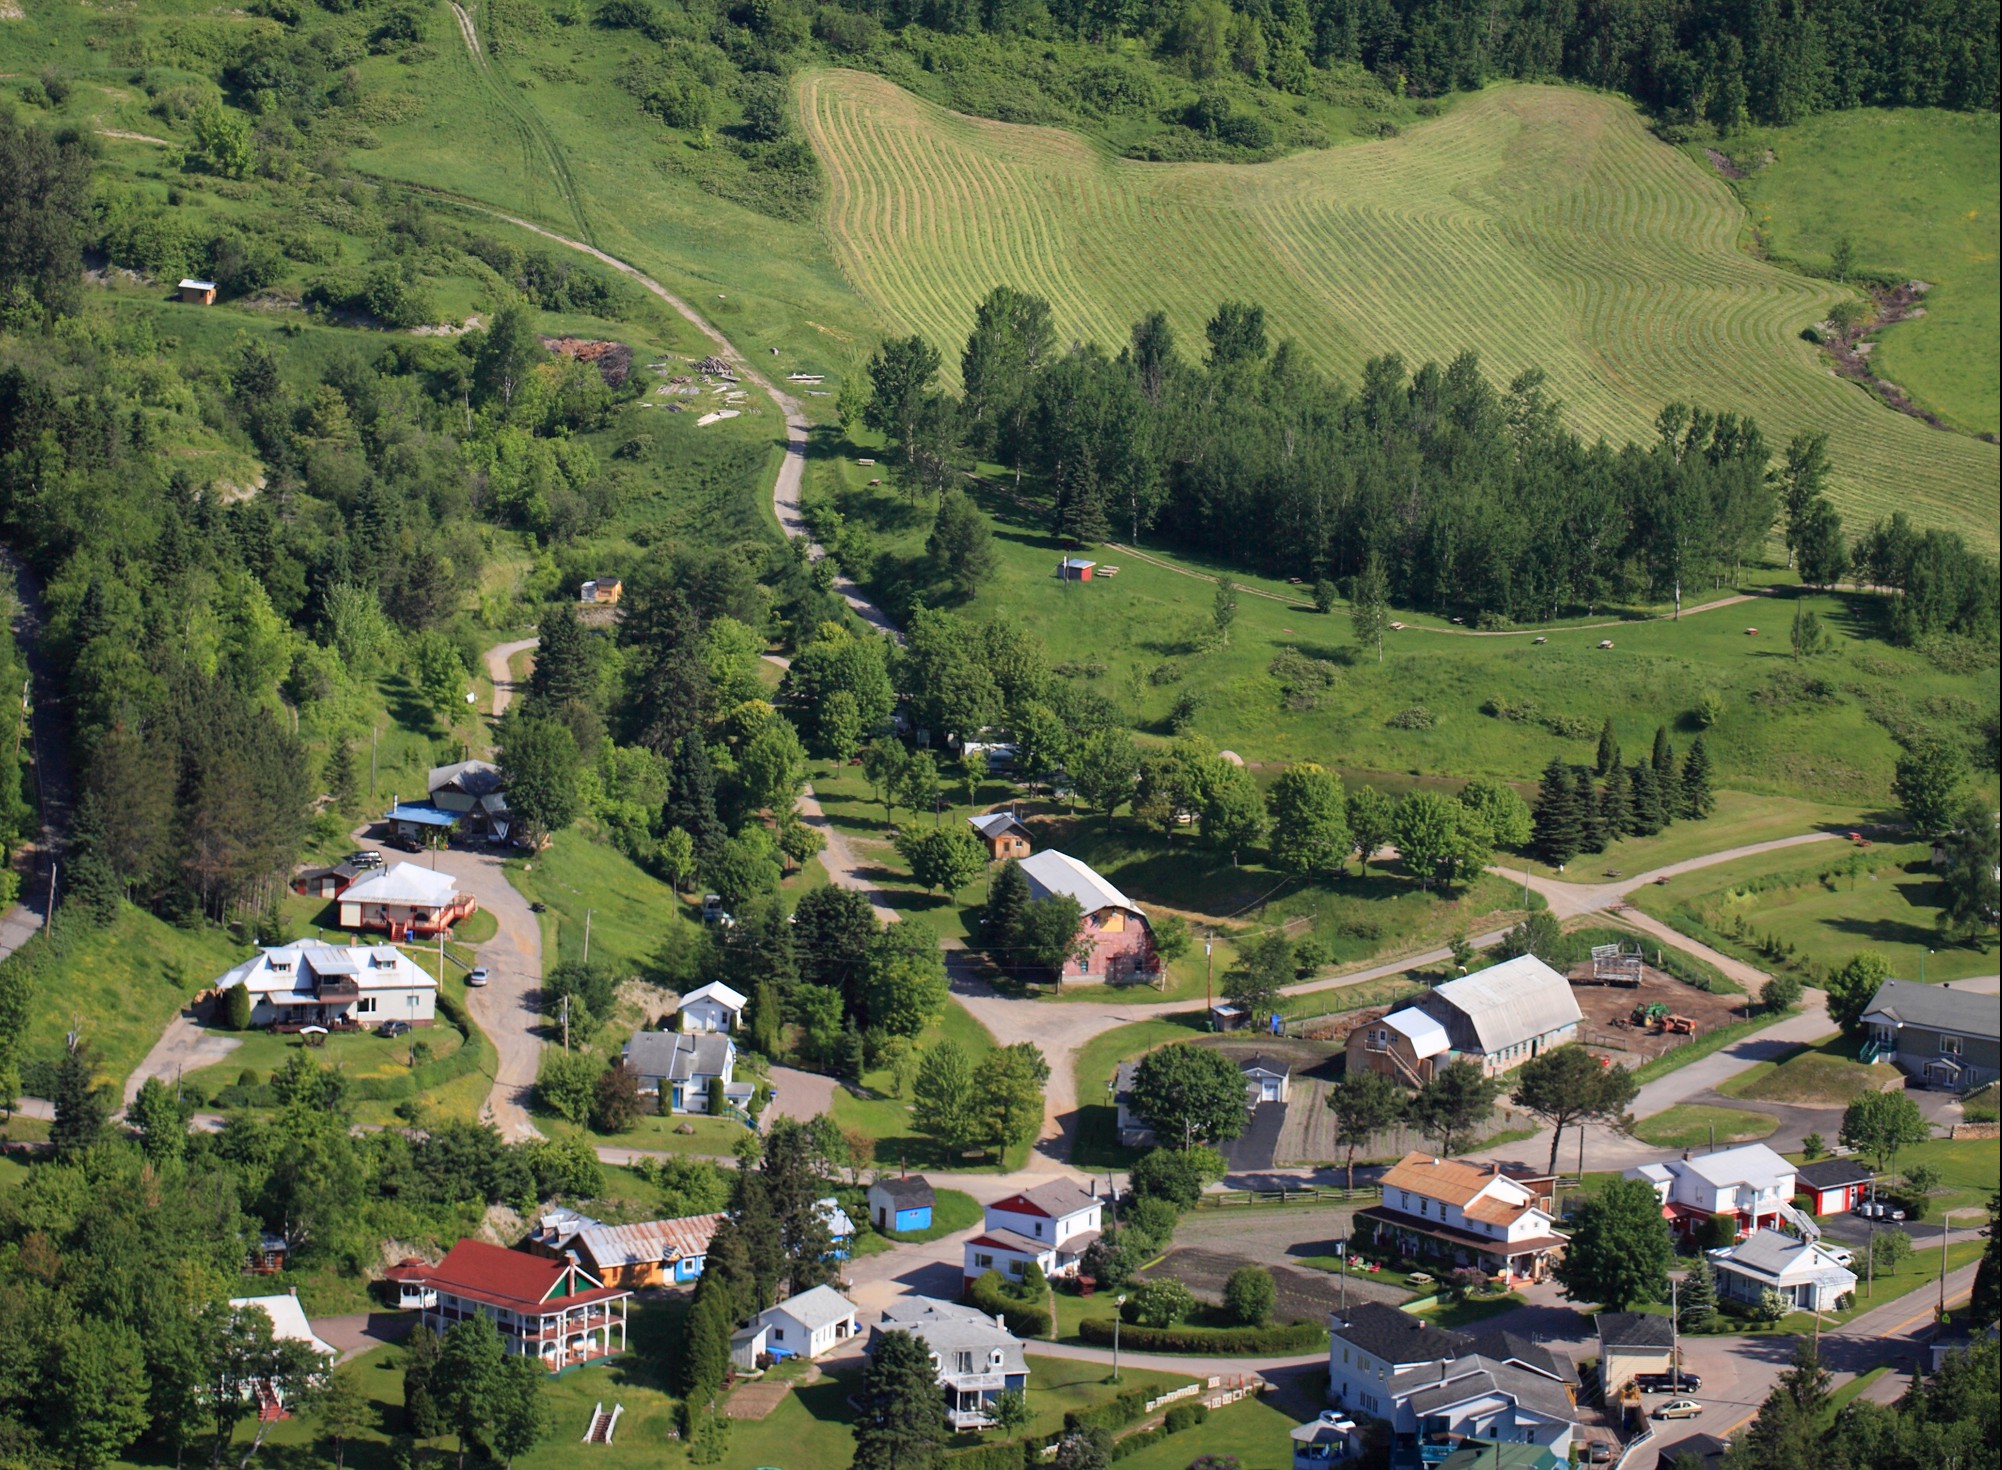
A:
236,1007
1572,727
1709,708
1024,1320
1159,1303
1413,717
1185,1416
1120,1411
1174,1175
1249,1296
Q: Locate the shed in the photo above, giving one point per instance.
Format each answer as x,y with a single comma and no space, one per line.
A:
901,1204
1228,1017
747,1345
197,293
1076,569
1631,1343
1833,1185
1003,833
603,590
807,1325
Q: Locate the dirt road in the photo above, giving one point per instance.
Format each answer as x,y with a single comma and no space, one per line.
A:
500,669
507,1007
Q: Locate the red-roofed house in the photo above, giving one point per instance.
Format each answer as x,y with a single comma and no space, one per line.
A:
553,1309
1052,1225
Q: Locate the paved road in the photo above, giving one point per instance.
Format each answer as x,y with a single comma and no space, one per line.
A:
506,1008
1811,1023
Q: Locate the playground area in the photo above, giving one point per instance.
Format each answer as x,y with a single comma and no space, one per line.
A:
1609,1012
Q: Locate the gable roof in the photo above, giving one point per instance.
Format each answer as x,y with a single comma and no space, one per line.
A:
1937,1008
1834,1173
1768,1253
1474,1377
492,1273
678,1055
1427,1037
1749,1163
1260,1062
1512,1002
288,1320
1442,1179
1396,1337
815,1309
1507,1347
948,1328
1055,1200
906,1191
475,778
1645,1331
997,824
715,990
294,969
1051,872
1497,1454
405,883
646,1243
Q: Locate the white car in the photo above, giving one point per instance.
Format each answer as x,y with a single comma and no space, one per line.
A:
477,977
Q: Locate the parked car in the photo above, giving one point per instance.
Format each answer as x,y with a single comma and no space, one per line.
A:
1679,1409
368,857
1877,1209
1668,1382
477,977
393,1028
1600,1452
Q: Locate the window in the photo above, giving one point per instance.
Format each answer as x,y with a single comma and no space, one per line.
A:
1950,1045
778,1334
1404,1198
965,1362
1424,1207
983,1260
1039,1227
365,1006
1014,1268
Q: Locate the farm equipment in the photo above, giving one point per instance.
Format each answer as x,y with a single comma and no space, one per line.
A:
1649,1015
1678,1025
1613,964
1857,839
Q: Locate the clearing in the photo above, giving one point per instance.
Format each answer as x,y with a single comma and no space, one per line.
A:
1607,1027
1536,225
1825,1074
1697,1125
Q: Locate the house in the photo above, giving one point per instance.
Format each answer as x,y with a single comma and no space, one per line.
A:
1947,1342
1464,1215
406,902
197,293
1630,1344
312,983
327,882
654,1253
554,1310
1495,1454
1803,1272
288,1324
1330,1439
840,1229
1705,1451
471,793
1053,1225
1502,1016
1266,1079
748,1345
901,1204
713,1007
1407,1044
1531,1357
680,1067
1120,938
977,1359
268,1256
1945,1037
1134,1130
1441,1406
1751,1183
604,591
807,1325
1004,835
1373,1343
1832,1186
1076,569
405,1284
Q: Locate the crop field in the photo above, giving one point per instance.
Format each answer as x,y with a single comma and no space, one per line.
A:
1536,225
1914,194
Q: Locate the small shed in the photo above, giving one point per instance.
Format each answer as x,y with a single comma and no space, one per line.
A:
1833,1186
267,1258
1076,569
1228,1017
901,1204
807,1325
1004,835
747,1345
197,293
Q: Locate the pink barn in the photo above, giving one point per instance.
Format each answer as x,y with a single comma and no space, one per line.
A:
1122,941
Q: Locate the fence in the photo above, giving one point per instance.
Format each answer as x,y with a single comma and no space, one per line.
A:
1309,1194
1187,1390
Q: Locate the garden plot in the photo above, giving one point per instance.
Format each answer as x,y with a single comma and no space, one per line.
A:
1305,1294
1606,1010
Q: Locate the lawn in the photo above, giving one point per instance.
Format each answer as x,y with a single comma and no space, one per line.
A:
952,1211
1970,1173
887,1119
1251,1431
1825,1073
1817,907
1695,1125
1918,1276
1462,1316
1913,190
1096,1142
708,1137
1535,225
638,924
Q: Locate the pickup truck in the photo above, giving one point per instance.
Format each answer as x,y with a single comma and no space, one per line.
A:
1668,1382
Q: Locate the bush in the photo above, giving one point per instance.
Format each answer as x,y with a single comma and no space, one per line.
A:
989,1293
236,1007
1781,993
1413,717
1249,1296
1175,1175
1709,708
1185,1416
1161,1302
1297,1337
1122,1410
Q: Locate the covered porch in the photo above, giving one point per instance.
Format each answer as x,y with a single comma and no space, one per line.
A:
1517,1261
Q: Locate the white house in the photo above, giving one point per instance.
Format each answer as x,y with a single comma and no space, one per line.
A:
714,1007
807,1325
1803,1272
1751,1183
1464,1215
840,1229
977,1358
1052,1225
288,1324
406,902
1373,1343
683,1066
310,982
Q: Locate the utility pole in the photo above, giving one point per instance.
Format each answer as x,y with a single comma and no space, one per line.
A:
587,936
1675,1332
1870,1271
566,1023
1209,974
374,733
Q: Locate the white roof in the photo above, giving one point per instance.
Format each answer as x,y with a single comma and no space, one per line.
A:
1751,1163
1768,1255
1052,872
1513,1002
715,990
820,1307
993,824
288,1320
188,282
293,967
834,1217
405,883
1427,1036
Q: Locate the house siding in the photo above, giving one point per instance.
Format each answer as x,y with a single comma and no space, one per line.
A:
1378,1048
1919,1045
1122,947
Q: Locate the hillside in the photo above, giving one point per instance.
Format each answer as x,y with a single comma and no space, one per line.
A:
1538,225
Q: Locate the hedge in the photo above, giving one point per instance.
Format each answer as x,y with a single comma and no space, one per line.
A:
1121,1411
1025,1319
1011,1455
1298,1337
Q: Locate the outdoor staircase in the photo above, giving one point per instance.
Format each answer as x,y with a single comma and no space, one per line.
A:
1802,1222
603,1425
269,1405
1875,1051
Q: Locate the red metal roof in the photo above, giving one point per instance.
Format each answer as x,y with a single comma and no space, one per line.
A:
505,1278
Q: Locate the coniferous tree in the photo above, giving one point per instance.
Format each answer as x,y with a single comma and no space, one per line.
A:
80,1107
1698,801
1592,835
421,1415
1616,804
1609,748
691,803
1007,901
902,1423
1555,834
1696,1300
1646,805
562,674
1663,760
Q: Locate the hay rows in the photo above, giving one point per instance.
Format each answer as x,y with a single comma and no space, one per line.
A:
1536,225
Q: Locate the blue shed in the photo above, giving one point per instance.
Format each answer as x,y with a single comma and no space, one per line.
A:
901,1204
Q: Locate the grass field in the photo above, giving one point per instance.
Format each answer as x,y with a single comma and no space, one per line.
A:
887,1119
1826,903
1826,1073
1691,1125
1096,1145
1914,193
1536,225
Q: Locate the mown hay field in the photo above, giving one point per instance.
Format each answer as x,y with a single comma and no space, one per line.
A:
1537,225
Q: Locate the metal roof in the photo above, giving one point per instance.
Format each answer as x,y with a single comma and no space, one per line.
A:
644,1244
993,824
1937,1008
814,1309
714,990
1767,1255
1513,1002
1427,1037
405,883
1052,872
947,1328
1750,1163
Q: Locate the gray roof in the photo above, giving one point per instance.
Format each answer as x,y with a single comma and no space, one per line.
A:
1768,1253
1937,1008
678,1056
1635,1330
1834,1173
475,778
816,1308
994,824
1507,1347
1055,1198
1051,872
1277,1066
1512,1002
1397,1337
1474,1376
949,1328
906,1190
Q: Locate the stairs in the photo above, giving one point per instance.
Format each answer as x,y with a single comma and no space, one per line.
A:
603,1425
1801,1222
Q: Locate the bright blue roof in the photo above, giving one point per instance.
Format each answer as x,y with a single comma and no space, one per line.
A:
425,815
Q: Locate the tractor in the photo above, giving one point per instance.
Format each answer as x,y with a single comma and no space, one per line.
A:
1649,1016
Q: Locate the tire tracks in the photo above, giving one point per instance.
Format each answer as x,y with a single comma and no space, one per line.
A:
536,136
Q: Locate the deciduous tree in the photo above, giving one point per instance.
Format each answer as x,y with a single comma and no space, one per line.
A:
1310,826
1568,1085
1364,1104
1189,1093
1620,1249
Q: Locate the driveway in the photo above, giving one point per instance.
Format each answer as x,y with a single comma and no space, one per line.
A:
355,1333
506,1008
499,658
185,1046
1252,1150
797,1094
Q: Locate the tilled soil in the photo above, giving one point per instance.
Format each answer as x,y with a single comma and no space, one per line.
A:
1305,1294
